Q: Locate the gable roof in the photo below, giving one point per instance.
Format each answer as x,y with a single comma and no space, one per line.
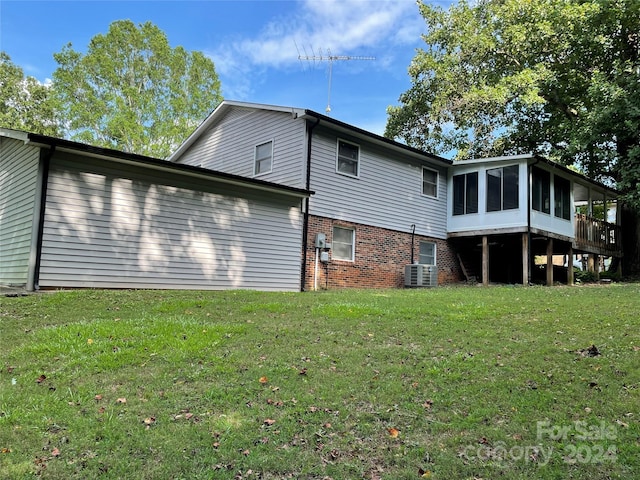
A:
305,114
150,162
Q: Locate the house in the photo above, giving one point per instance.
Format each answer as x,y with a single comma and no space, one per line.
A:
377,206
380,206
504,212
76,216
279,198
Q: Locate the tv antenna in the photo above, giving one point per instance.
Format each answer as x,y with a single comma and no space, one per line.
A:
328,57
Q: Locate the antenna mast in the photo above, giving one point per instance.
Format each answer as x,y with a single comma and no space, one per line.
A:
331,58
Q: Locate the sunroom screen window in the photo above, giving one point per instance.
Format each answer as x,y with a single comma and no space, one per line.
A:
502,188
465,193
541,190
562,195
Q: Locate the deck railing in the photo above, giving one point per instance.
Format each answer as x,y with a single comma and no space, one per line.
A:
597,236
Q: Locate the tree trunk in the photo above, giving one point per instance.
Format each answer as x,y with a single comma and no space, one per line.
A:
630,242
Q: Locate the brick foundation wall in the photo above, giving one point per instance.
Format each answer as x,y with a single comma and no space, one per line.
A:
380,258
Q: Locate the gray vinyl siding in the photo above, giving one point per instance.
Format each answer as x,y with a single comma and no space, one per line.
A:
114,226
387,193
229,145
19,165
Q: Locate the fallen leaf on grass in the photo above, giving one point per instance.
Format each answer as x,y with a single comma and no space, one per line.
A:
41,379
263,380
424,473
98,398
269,421
121,400
393,432
90,341
149,421
5,450
55,452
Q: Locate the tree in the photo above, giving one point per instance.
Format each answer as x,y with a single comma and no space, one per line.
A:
25,103
554,77
131,91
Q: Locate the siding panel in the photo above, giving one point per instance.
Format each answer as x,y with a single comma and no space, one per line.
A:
387,194
229,145
129,227
18,184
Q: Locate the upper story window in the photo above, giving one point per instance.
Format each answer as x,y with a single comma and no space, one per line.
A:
540,190
264,158
343,244
502,188
562,197
429,182
465,193
348,160
427,253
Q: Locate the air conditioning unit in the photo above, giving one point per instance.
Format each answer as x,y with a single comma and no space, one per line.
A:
419,275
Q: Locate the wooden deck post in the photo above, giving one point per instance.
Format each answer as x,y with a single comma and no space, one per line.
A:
525,259
485,260
570,266
550,262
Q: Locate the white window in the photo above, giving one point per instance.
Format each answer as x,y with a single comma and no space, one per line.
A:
264,158
427,253
348,161
343,244
429,182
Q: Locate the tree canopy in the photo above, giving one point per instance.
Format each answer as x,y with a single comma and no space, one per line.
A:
555,77
25,103
131,91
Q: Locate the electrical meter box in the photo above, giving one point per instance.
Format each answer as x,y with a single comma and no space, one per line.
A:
321,240
324,257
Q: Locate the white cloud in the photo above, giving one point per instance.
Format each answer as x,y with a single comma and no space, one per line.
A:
317,27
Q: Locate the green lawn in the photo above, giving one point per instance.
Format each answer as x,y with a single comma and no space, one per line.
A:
446,383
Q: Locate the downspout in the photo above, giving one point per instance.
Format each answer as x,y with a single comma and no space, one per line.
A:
305,222
41,204
413,233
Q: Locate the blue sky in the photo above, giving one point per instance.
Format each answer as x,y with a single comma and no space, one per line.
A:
254,44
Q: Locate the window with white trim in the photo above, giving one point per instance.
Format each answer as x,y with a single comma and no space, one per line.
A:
343,244
264,158
429,182
427,253
348,158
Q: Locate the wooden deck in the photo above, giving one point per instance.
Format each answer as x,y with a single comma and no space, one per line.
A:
597,236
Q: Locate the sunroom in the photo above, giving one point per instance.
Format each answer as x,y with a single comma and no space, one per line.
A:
525,219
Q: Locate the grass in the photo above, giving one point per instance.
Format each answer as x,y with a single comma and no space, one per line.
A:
447,383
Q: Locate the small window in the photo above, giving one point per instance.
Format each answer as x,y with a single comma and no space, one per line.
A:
465,193
541,190
562,193
343,244
429,182
264,158
348,158
427,253
502,188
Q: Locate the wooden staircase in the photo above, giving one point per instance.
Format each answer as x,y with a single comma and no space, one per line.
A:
468,269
